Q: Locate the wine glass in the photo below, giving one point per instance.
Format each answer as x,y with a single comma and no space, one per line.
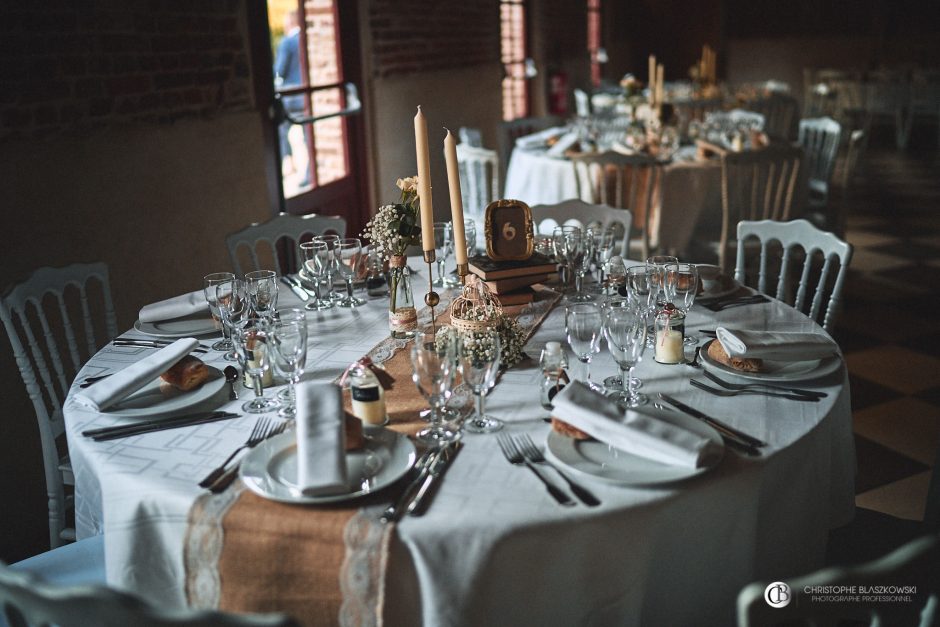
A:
315,255
348,253
291,315
208,287
470,233
582,257
603,251
434,366
616,276
232,300
290,351
331,264
682,287
443,246
565,240
643,287
625,330
262,290
660,262
254,356
478,355
583,322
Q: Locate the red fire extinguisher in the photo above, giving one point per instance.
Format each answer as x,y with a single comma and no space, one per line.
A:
558,92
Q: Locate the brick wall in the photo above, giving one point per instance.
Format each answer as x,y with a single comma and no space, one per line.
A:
412,36
66,65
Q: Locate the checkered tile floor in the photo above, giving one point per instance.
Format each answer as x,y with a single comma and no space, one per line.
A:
888,329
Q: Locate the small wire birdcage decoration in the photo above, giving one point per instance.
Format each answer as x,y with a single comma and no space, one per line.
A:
476,309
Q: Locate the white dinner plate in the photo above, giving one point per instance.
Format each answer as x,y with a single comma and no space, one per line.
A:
159,398
180,327
773,370
733,287
270,469
601,461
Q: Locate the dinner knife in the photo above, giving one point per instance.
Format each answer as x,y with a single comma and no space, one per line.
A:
394,511
122,431
435,472
296,288
729,433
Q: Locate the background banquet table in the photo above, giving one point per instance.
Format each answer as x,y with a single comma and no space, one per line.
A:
691,191
493,543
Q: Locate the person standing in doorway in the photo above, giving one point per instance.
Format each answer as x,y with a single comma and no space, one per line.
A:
287,74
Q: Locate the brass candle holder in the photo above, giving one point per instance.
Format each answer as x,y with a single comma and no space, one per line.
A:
432,298
463,269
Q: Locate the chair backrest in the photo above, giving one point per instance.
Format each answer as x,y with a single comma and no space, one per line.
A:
479,179
756,185
512,130
582,103
579,213
781,112
791,236
820,139
470,136
621,181
914,565
56,320
260,241
26,600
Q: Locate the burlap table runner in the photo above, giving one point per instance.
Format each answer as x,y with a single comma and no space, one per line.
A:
323,565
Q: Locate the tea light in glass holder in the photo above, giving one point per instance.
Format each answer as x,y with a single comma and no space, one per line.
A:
670,335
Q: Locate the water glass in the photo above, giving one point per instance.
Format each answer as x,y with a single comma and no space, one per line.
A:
443,246
478,358
234,307
583,324
208,287
315,256
290,353
682,282
470,233
348,253
433,361
625,330
659,262
566,240
262,290
331,263
252,347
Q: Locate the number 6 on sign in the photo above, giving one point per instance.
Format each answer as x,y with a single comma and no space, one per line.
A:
509,230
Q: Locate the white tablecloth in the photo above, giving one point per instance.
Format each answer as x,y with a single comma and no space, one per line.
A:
493,543
691,192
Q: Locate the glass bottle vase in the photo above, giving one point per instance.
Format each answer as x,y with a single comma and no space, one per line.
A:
402,315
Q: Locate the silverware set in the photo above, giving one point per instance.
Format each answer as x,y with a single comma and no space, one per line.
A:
223,475
747,444
158,424
522,451
753,392
763,386
429,468
126,342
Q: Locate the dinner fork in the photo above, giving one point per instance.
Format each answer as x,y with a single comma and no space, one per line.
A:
513,456
717,392
258,433
762,386
232,473
534,455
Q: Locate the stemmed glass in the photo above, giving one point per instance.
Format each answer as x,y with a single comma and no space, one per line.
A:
642,288
331,263
583,323
316,257
434,366
681,288
262,290
209,282
616,276
348,253
603,251
232,300
290,351
470,233
660,262
566,240
581,260
443,246
478,355
254,356
625,330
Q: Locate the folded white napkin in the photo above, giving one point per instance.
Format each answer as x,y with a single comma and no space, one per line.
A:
564,142
321,439
775,345
635,432
538,140
122,384
176,307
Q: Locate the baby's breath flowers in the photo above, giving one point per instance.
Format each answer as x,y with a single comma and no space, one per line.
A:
396,227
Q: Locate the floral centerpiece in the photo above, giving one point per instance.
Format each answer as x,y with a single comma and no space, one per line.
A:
477,310
390,232
633,94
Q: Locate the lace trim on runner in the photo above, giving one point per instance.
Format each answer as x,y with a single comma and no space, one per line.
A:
362,575
203,547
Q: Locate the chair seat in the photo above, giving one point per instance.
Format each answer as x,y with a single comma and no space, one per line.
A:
78,563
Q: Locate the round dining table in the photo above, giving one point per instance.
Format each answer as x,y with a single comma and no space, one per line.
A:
493,546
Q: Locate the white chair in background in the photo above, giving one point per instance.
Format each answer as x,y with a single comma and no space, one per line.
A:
479,180
261,241
621,181
56,320
582,103
915,565
820,139
470,136
812,287
581,214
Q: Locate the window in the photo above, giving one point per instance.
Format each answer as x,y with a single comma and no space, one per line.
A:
597,53
513,52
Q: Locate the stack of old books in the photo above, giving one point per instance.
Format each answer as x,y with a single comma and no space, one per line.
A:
512,281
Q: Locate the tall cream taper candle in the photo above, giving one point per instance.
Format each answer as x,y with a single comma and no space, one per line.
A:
456,200
424,181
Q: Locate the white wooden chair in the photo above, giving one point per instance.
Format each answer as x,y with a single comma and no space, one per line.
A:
582,103
479,179
56,320
791,236
261,241
916,564
470,136
820,139
578,213
621,181
27,597
781,112
756,185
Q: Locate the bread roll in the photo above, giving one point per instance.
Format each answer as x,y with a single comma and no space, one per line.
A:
562,427
717,352
187,374
354,437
